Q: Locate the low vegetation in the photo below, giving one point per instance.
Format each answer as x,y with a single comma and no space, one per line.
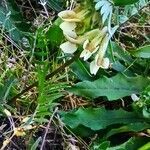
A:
75,74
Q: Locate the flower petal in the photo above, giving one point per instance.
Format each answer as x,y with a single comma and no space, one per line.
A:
86,54
77,40
69,16
67,26
93,67
66,13
70,33
105,63
83,53
68,47
85,43
90,46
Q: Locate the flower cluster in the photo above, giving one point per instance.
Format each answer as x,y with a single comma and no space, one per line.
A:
94,42
70,20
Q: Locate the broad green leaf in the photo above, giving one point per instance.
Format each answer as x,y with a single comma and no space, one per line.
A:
133,127
133,143
122,59
124,2
55,35
99,118
145,147
101,146
124,62
121,68
143,52
82,72
113,88
121,54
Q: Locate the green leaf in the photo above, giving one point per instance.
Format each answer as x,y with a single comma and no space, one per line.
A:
113,88
101,146
35,145
145,147
55,35
99,118
143,52
12,21
82,72
6,90
121,68
55,4
132,144
124,2
121,54
133,127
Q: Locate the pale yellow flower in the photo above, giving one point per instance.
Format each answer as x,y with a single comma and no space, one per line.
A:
19,132
91,46
100,61
96,64
68,47
69,32
76,15
68,28
69,16
89,49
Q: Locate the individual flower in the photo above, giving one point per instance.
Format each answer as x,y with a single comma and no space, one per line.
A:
68,29
69,16
79,15
76,15
69,32
70,24
100,61
90,47
96,64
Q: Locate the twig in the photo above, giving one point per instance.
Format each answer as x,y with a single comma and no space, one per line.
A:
43,3
47,128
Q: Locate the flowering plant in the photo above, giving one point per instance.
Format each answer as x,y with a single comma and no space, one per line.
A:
93,40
